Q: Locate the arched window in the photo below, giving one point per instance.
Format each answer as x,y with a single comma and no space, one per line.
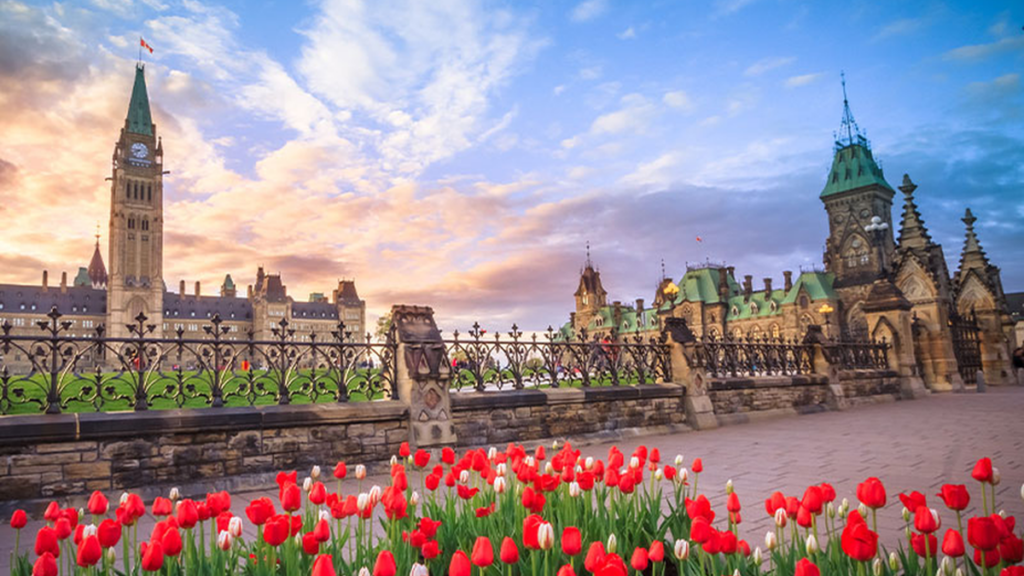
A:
128,189
131,223
149,192
145,224
775,331
600,321
753,308
804,301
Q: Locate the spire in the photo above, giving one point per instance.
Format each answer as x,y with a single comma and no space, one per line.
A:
97,271
589,264
849,133
972,257
913,234
139,120
853,165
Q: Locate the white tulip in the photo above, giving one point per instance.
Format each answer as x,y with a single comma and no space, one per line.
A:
554,444
845,504
612,544
235,526
315,472
175,494
728,486
307,484
360,471
89,530
634,463
946,567
996,476
324,515
501,469
770,540
894,562
876,567
906,514
394,459
658,474
757,555
364,571
499,485
736,572
375,492
679,460
781,518
959,572
224,540
549,468
589,463
545,536
492,453
414,500
419,570
124,496
464,477
681,550
812,545
830,510
362,501
1002,513
863,510
574,489
111,555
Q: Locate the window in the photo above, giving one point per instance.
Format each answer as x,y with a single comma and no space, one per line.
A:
145,224
149,193
585,300
775,331
131,223
600,321
734,312
753,308
803,301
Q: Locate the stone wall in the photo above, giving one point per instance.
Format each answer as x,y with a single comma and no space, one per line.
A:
52,456
775,394
496,418
865,386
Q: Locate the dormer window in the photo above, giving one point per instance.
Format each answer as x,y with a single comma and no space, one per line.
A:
773,307
753,308
735,311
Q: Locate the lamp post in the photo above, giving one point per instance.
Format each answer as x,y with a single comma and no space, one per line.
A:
878,228
825,310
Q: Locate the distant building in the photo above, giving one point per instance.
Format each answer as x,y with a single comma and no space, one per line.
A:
961,322
135,283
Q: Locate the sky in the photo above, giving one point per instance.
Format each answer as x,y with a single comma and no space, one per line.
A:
461,153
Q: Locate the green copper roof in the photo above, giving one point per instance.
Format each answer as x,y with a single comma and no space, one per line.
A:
818,286
763,306
82,279
228,282
701,285
853,167
139,119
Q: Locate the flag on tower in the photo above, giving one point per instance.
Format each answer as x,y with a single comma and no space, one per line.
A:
143,44
699,239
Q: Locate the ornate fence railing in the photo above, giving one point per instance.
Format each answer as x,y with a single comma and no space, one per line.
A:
858,355
59,373
743,357
509,361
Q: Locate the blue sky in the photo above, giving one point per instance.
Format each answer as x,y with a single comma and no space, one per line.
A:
461,153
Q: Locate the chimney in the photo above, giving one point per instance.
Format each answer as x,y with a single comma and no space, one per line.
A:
181,289
788,275
46,280
639,304
767,287
748,285
572,320
63,281
723,286
249,292
731,270
197,288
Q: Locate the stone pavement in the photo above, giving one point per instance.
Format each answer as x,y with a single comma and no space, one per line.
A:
911,445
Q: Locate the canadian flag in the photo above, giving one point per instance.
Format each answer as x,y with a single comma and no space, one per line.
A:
142,43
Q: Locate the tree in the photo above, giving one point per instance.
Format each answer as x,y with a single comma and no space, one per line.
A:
383,327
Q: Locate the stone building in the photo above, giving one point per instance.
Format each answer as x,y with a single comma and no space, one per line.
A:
135,281
873,286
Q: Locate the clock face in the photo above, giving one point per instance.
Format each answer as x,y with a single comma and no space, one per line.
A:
139,150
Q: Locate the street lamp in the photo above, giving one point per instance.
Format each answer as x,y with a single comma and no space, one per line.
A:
878,228
825,310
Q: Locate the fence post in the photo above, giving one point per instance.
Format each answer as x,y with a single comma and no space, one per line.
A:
888,314
688,371
821,364
423,377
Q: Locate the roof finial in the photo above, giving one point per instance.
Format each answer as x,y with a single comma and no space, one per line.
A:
97,232
662,268
849,126
589,265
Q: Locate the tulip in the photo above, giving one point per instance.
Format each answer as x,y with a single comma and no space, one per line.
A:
483,552
871,493
360,471
876,567
324,566
946,566
982,533
499,485
770,540
639,559
812,545
152,556
161,506
98,504
47,541
894,562
459,565
224,540
983,470
109,533
955,496
926,520
174,494
781,517
728,486
757,556
612,544
545,536
681,549
953,544
806,568
46,565
509,552
656,551
364,571
419,570
385,564
89,552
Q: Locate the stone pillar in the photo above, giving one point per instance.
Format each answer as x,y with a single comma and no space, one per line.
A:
822,365
688,371
424,376
888,314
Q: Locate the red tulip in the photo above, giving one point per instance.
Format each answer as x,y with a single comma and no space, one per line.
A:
530,525
828,493
1008,571
291,497
459,566
421,458
98,504
310,545
955,496
161,506
188,514
172,542
913,501
46,565
700,530
953,544
19,519
47,541
132,509
509,552
774,502
732,503
639,559
276,530
804,517
990,558
429,527
917,542
322,530
385,564
260,510
983,470
430,550
340,471
595,557
871,493
63,528
572,541
698,466
152,556
657,551
216,503
324,566
284,478
89,552
483,552
403,449
806,568
713,545
1011,549
727,543
812,500
565,570
858,541
982,533
613,565
109,533
925,521
447,456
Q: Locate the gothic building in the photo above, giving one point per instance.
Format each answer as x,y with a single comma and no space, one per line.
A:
135,283
872,286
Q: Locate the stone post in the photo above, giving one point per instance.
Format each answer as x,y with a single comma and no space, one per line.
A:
688,371
888,315
423,376
821,364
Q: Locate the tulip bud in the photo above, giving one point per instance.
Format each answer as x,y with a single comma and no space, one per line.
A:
770,540
501,469
679,460
364,571
549,468
499,485
298,540
307,484
235,526
681,550
360,471
830,510
175,494
876,567
464,477
728,486
589,463
863,509
736,572
492,453
845,503
907,532
634,463
315,472
554,444
362,501
812,545
612,544
757,555
683,476
894,562
959,572
1022,491
658,474
89,530
415,498
906,514
124,496
1002,513
419,570
224,540
394,460
545,536
781,518
996,476
946,567
325,515
111,555
574,489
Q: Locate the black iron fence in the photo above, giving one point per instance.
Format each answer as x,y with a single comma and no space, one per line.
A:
509,361
53,372
751,357
858,355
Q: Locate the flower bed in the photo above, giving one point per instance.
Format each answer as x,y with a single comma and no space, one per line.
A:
520,512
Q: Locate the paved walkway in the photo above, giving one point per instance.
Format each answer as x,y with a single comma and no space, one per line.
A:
912,445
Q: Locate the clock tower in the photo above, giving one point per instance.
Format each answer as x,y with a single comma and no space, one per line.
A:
136,283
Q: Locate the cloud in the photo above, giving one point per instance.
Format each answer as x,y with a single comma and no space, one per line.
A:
627,34
678,99
803,79
590,73
588,10
634,116
767,64
661,171
726,7
901,27
978,52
